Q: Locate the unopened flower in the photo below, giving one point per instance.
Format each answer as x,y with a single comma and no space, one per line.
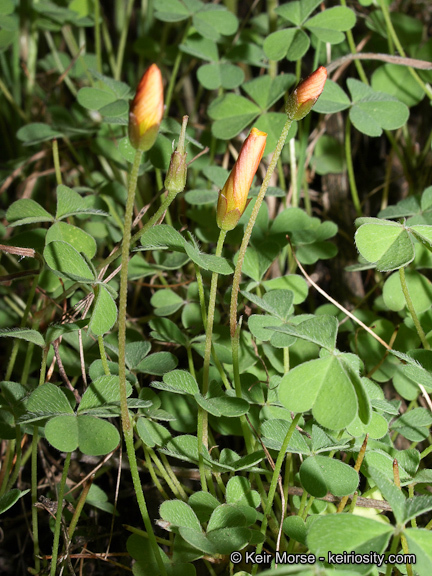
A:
146,110
177,172
232,200
303,98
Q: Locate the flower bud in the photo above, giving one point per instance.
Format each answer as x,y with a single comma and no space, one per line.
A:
175,180
146,110
232,200
300,102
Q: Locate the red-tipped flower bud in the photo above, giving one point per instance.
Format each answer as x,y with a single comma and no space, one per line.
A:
146,110
175,180
232,200
303,98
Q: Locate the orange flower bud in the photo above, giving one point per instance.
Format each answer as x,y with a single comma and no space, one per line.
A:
303,98
232,200
146,110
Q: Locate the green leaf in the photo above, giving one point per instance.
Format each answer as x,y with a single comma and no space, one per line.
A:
291,43
239,491
419,288
171,11
390,492
70,203
23,334
416,506
93,436
178,513
232,114
397,81
48,400
385,244
95,98
37,132
373,111
158,363
203,504
297,284
329,25
104,313
279,303
136,352
178,381
214,21
297,11
163,236
225,75
142,551
321,474
323,386
79,239
152,433
338,533
420,543
200,47
10,498
27,211
333,99
67,262
274,432
165,330
103,391
266,91
321,330
223,406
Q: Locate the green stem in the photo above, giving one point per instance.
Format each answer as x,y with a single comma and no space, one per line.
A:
250,225
78,509
350,168
123,38
410,307
125,418
274,480
393,548
57,526
23,322
235,349
17,467
56,159
34,510
202,431
174,72
97,32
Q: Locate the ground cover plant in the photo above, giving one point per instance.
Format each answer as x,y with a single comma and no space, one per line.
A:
216,321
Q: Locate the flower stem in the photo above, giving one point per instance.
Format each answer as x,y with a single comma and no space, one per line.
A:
125,418
202,431
275,478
